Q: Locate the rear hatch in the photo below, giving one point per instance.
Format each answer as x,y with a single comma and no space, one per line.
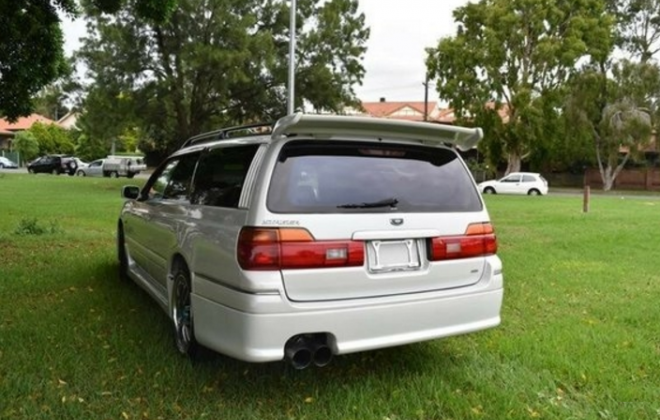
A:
365,219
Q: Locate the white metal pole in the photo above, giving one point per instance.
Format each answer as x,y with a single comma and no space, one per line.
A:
292,60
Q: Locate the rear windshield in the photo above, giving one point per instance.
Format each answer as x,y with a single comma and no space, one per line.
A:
342,176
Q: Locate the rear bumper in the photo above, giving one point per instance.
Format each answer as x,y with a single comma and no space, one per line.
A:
260,337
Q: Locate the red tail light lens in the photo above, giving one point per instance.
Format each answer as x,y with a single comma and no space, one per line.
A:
279,249
479,240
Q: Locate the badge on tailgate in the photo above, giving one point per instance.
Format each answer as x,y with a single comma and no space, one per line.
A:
386,256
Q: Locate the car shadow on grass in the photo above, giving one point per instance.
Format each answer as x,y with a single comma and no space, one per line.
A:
148,346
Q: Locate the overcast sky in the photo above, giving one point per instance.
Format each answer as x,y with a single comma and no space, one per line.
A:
400,32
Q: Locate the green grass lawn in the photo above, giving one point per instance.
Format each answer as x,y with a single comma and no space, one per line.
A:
580,337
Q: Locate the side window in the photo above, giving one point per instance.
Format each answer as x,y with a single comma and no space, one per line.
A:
528,178
511,178
220,176
178,187
160,179
172,181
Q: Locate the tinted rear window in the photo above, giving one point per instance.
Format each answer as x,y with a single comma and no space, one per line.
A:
327,176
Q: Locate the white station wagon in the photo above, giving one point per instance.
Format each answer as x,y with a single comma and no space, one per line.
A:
329,235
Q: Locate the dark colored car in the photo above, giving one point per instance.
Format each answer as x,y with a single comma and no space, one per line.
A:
53,164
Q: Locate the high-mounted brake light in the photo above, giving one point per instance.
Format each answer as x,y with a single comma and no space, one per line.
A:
479,240
294,248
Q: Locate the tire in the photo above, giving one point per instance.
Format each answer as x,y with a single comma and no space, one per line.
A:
2,166
121,254
489,190
182,319
534,191
30,171
130,175
54,172
114,174
81,173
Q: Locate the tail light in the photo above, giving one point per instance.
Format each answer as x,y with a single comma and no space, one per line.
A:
479,240
288,248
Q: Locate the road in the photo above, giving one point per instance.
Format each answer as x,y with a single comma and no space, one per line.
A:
142,175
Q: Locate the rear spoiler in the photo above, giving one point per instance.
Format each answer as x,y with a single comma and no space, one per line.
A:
428,133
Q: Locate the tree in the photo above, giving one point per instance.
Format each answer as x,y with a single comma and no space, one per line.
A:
615,108
31,45
52,139
31,54
59,97
218,62
511,58
154,10
89,148
26,145
639,27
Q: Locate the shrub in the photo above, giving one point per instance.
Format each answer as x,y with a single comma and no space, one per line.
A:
27,145
32,226
52,139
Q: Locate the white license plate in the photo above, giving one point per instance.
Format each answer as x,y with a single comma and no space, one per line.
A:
384,256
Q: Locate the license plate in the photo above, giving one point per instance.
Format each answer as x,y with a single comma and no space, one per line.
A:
385,256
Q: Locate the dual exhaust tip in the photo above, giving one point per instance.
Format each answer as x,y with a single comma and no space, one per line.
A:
303,350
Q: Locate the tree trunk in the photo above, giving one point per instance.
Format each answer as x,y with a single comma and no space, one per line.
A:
608,179
514,162
608,174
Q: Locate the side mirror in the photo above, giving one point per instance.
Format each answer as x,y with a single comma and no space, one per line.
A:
130,192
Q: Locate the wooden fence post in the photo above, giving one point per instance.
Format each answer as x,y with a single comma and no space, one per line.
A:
585,199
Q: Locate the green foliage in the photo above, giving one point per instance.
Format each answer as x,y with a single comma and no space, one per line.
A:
128,140
52,138
490,67
90,148
53,101
32,226
107,113
31,54
639,27
215,62
614,107
154,10
27,145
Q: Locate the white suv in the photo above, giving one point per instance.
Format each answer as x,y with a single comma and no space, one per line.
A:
330,235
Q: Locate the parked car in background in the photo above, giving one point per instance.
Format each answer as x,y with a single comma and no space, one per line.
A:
94,168
516,183
128,166
7,164
331,235
80,163
54,164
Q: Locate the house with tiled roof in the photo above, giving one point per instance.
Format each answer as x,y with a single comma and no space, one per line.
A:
413,111
69,120
9,129
400,110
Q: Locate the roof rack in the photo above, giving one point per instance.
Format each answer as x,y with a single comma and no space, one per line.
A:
222,134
